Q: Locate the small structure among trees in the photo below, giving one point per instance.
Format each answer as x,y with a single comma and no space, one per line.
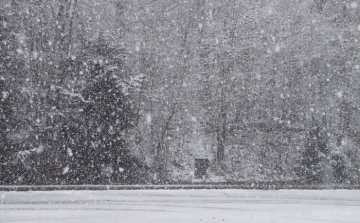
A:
201,165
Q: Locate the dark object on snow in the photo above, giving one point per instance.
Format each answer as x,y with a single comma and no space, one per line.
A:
201,165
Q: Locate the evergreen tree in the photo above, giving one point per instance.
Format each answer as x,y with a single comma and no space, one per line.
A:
5,104
98,127
107,115
4,115
316,150
339,168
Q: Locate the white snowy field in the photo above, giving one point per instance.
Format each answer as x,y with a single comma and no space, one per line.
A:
184,206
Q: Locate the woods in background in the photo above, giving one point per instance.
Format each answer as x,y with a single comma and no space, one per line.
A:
122,91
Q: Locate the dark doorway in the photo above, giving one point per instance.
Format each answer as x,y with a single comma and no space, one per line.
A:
201,165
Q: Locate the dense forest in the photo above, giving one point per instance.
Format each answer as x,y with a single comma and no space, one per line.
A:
132,91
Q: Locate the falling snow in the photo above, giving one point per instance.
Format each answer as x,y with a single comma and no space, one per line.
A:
157,92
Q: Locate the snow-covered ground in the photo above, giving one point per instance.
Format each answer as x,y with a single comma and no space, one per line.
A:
184,206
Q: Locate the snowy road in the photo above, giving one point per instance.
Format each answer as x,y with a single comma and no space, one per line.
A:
185,206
